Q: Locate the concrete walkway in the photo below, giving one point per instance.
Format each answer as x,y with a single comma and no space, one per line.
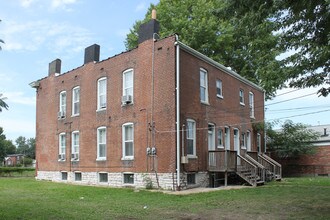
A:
202,190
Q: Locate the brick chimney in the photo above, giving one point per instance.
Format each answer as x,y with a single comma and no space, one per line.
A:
147,30
92,53
54,67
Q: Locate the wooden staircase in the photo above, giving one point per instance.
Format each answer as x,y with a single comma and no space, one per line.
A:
273,168
250,170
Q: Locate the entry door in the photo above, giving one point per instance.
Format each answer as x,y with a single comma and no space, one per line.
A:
227,138
211,143
236,144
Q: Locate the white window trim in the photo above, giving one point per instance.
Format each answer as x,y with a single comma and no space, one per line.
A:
99,108
97,146
241,103
216,85
194,139
61,104
124,88
251,104
222,139
124,141
60,145
73,102
73,146
206,101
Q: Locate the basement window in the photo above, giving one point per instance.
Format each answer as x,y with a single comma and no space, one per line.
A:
128,178
191,178
77,177
103,177
64,175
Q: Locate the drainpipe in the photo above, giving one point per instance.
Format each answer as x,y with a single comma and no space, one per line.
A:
177,111
265,137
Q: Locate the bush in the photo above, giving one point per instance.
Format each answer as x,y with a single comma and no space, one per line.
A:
9,171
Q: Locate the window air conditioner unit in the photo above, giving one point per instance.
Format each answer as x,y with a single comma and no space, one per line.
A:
61,156
61,114
126,99
184,159
75,156
103,105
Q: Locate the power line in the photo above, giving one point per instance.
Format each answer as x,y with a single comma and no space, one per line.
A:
290,99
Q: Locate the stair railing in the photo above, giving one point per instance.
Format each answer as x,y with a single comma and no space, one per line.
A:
277,168
260,168
247,170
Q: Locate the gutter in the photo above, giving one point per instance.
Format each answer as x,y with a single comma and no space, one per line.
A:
177,59
217,65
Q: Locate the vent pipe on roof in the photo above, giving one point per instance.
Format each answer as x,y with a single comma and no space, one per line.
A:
325,132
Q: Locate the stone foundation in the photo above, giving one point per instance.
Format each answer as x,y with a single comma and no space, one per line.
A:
166,181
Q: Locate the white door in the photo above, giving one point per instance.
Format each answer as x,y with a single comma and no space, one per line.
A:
211,143
236,144
227,138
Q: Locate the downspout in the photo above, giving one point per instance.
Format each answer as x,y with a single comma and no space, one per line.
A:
265,135
177,111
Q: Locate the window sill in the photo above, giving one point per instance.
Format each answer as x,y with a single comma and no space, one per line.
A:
101,110
252,117
220,96
205,103
192,156
220,147
73,160
101,159
242,104
126,104
61,160
75,115
127,158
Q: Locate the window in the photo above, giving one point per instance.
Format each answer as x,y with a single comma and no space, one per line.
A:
251,104
128,178
241,97
102,93
248,141
128,86
62,109
101,143
128,141
219,88
77,177
191,178
191,137
75,101
203,86
64,175
103,177
61,138
258,142
75,145
227,138
243,141
220,138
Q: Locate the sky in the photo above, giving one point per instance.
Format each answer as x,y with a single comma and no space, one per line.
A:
37,32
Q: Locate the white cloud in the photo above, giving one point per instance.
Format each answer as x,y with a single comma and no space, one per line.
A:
33,35
18,97
62,4
27,3
141,7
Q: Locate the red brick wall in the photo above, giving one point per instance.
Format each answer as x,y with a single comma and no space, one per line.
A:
86,76
220,112
310,165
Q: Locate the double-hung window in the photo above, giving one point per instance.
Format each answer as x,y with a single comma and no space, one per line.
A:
61,150
101,143
128,86
191,137
219,88
251,104
102,93
241,97
128,141
243,141
203,86
62,110
75,145
75,101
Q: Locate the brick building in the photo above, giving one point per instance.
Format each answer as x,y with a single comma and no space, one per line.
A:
317,164
159,114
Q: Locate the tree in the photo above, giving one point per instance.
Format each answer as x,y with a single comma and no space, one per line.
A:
293,140
6,146
304,26
26,146
246,45
3,104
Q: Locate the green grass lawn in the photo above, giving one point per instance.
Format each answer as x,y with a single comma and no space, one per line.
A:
294,198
